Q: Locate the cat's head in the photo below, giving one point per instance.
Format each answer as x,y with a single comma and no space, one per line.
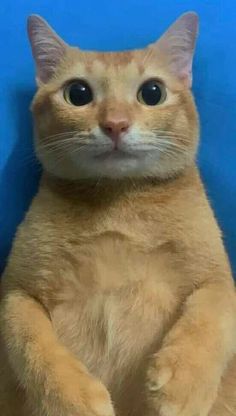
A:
115,115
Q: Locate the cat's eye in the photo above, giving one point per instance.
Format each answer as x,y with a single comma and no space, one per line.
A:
78,93
151,92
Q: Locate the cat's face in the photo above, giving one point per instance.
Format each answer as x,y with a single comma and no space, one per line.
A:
126,114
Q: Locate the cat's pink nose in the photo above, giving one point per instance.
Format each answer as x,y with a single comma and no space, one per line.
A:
114,128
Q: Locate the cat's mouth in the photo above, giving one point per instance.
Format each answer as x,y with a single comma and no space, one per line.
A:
115,154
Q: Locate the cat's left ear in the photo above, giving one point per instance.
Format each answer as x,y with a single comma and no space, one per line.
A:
177,46
47,47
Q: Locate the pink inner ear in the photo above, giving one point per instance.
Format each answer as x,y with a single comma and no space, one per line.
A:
177,46
47,47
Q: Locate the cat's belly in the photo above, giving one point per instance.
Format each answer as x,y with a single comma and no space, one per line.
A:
113,334
115,315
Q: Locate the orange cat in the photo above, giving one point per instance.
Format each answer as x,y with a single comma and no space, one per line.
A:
118,296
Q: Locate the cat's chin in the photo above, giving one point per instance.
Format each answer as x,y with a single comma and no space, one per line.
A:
116,165
115,155
104,166
91,165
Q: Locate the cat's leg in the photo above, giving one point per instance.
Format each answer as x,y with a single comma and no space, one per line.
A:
225,404
54,381
12,399
184,376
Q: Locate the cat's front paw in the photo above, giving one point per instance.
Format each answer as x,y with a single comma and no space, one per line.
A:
95,399
72,391
179,384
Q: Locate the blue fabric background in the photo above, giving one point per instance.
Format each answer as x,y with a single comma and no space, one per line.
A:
119,24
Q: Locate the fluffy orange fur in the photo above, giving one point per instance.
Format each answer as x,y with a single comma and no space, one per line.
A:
118,296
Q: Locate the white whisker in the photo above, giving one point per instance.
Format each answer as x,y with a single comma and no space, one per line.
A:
227,407
66,133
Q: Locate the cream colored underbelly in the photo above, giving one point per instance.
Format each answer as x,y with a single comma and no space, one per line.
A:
115,315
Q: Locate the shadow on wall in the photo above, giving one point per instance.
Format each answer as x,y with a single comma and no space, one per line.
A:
19,179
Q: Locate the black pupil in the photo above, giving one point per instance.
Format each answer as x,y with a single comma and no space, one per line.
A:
151,93
80,93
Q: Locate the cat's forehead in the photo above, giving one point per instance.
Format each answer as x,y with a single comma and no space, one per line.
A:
114,60
104,65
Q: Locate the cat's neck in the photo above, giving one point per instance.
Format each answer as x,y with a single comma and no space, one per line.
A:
105,191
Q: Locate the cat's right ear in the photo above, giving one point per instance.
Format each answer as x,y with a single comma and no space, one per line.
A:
177,46
47,47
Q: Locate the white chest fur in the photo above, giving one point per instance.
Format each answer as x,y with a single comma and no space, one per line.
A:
115,311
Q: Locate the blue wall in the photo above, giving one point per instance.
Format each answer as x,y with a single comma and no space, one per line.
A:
118,24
